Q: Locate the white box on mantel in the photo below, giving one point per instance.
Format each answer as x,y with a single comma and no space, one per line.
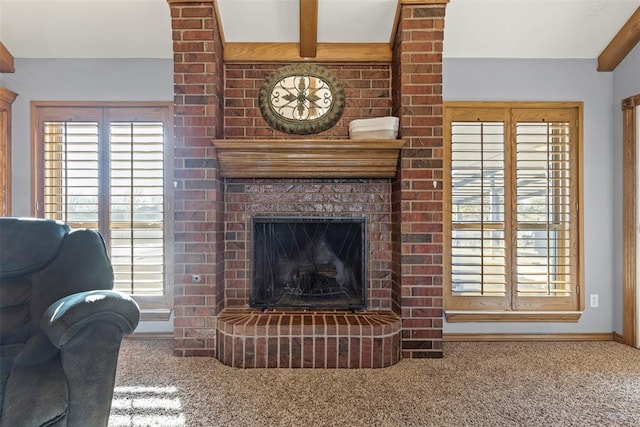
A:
376,128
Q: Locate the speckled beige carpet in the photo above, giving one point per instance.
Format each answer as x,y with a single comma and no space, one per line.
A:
475,384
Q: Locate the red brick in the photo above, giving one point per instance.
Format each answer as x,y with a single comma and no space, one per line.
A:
373,90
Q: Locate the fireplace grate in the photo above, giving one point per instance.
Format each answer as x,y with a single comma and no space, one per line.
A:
308,262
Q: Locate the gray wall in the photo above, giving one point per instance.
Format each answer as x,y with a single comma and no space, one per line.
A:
464,80
557,80
626,83
77,80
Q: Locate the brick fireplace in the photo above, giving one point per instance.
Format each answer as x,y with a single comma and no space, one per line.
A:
215,100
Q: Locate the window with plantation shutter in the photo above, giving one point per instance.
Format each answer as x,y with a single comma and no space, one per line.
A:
512,224
136,205
70,172
109,169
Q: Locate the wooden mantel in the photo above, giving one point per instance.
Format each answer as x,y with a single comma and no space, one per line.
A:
308,158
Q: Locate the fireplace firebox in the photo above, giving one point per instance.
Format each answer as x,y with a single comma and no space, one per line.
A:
309,262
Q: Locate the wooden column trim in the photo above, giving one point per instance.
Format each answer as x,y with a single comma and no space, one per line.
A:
629,221
308,28
219,22
290,52
6,60
423,2
190,1
620,46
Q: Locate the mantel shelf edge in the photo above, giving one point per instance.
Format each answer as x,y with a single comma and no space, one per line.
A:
308,158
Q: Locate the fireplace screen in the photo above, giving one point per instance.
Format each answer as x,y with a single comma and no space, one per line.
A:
310,262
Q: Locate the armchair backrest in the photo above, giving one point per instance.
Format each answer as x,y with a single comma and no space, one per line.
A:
41,261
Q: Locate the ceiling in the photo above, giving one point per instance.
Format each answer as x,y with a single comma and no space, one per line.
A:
474,28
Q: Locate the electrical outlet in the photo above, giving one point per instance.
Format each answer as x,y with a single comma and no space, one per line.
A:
196,278
593,300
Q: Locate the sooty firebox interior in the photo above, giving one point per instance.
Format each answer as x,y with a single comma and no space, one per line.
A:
308,262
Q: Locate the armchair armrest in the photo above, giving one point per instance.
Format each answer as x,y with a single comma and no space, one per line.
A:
68,315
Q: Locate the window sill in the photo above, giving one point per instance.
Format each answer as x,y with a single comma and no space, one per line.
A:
162,314
454,316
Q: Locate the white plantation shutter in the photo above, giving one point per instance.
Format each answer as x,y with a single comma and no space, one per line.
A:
71,183
136,206
546,218
110,173
512,191
478,253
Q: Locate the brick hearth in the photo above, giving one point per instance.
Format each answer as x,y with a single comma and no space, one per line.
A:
308,339
214,100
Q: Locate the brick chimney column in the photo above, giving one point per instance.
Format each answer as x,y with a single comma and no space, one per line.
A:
417,193
199,237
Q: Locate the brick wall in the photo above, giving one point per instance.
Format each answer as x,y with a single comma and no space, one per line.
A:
417,193
214,100
367,92
297,197
198,205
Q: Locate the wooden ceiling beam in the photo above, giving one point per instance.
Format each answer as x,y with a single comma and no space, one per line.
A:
308,28
620,46
6,60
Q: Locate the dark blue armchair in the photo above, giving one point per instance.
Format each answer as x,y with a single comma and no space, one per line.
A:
61,325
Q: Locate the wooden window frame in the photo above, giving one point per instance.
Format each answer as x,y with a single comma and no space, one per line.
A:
629,220
6,99
538,311
153,307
